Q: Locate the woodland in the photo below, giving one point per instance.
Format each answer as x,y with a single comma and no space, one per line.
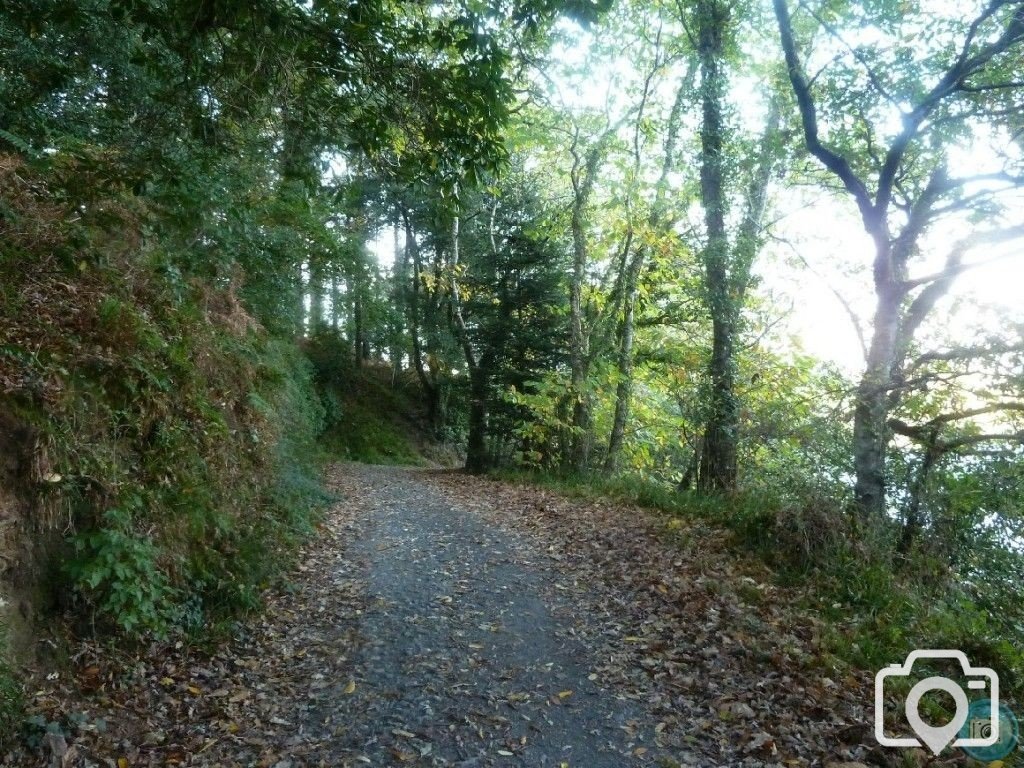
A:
569,243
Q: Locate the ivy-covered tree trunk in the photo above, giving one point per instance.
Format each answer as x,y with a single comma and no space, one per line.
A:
335,302
578,359
582,175
431,387
358,345
624,388
316,296
477,458
718,460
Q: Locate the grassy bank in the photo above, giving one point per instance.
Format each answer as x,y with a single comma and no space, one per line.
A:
162,445
875,610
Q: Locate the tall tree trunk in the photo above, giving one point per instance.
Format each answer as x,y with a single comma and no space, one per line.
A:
316,297
398,282
477,460
431,386
358,345
582,176
871,433
718,459
624,389
335,303
578,359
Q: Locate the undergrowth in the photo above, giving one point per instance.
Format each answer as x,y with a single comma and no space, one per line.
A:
875,610
11,697
369,412
173,451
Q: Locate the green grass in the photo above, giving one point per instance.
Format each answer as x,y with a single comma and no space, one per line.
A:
372,417
362,433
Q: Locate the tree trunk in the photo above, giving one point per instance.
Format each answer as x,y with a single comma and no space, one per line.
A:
871,411
693,467
477,459
624,389
582,176
358,341
718,468
398,281
578,363
718,459
335,303
316,297
431,387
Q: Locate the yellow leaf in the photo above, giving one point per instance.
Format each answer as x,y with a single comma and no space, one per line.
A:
122,762
193,690
166,681
564,694
351,687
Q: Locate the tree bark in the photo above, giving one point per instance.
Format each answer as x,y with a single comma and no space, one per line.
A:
357,318
624,388
431,387
871,434
578,360
718,459
477,459
316,297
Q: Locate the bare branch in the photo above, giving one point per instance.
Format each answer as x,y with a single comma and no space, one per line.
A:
950,83
966,353
922,306
858,55
832,160
925,279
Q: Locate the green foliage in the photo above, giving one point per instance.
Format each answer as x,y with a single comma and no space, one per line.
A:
12,702
117,572
178,438
371,416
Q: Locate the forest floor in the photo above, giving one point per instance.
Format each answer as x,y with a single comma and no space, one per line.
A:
442,620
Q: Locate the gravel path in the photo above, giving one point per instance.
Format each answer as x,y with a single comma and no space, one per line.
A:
444,620
468,655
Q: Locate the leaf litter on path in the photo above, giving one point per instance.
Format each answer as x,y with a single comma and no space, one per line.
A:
441,620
